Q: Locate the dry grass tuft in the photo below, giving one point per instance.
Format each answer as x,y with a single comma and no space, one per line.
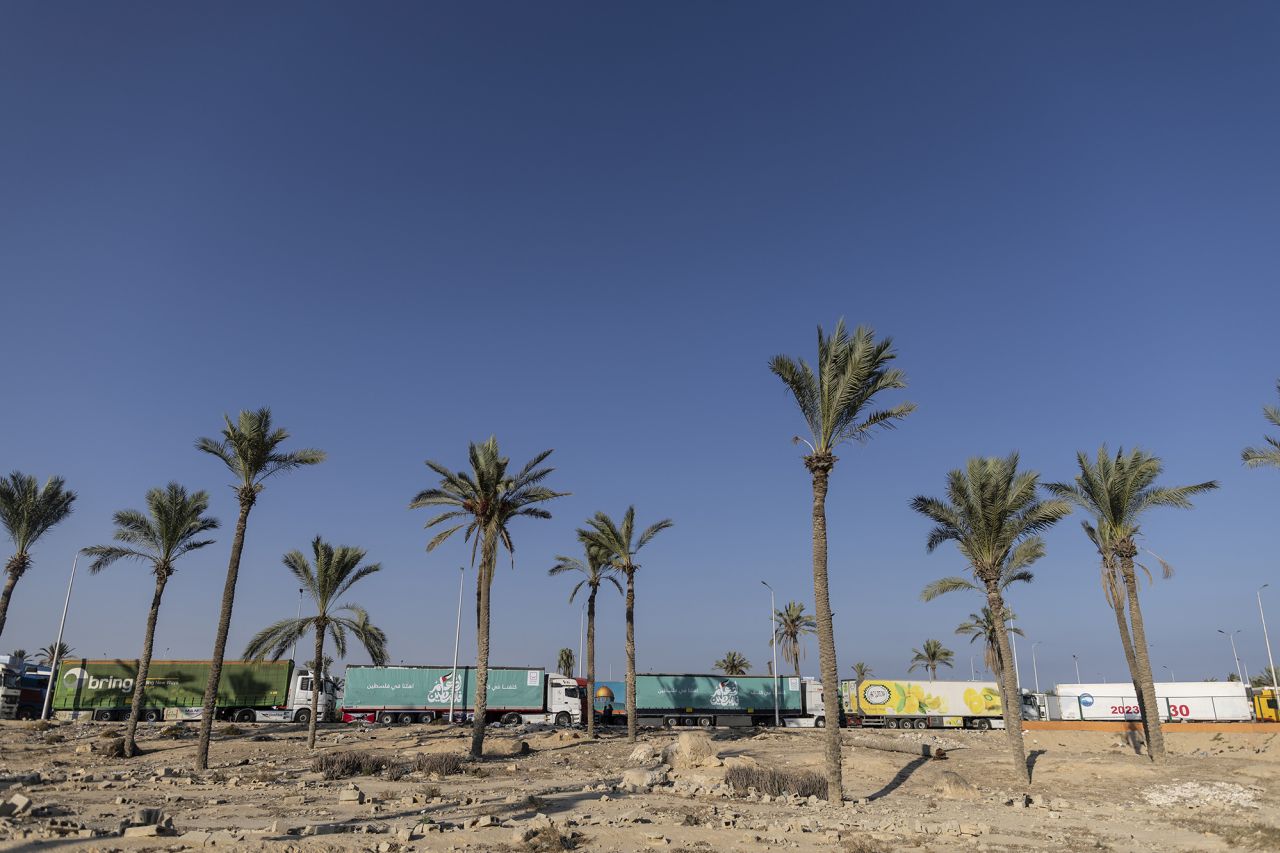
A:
343,765
776,783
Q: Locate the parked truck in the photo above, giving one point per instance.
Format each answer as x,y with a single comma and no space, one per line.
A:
903,704
22,689
1213,701
248,691
419,694
670,700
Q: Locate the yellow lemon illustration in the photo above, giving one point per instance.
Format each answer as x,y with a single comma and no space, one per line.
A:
915,690
912,706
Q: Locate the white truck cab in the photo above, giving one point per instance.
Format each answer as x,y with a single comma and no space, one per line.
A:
562,705
298,708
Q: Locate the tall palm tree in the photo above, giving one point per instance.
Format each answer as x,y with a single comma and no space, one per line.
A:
594,572
18,657
932,656
488,499
56,651
170,528
250,448
995,517
1013,572
791,624
616,546
733,663
861,672
328,579
1117,490
27,511
983,626
836,402
565,661
1257,457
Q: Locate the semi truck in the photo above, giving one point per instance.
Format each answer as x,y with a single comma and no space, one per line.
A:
669,700
904,704
1191,701
22,689
248,691
420,694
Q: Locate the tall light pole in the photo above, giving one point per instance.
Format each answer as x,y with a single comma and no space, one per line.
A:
457,635
1034,668
57,647
1017,673
295,639
773,631
1172,677
1232,638
1266,639
972,676
1077,662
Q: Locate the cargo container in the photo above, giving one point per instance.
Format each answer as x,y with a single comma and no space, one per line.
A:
248,691
903,704
670,700
418,694
1214,701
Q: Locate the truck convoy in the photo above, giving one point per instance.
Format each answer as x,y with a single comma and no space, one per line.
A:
670,700
1214,701
419,694
248,691
901,704
22,689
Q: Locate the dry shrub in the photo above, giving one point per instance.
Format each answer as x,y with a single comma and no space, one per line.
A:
776,783
231,731
113,748
175,731
342,765
547,840
443,763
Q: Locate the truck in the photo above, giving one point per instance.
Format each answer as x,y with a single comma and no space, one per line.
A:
248,691
904,704
422,693
1265,709
1213,701
22,689
668,700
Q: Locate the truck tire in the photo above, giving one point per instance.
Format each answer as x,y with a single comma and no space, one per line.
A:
152,715
564,719
511,718
387,718
102,716
982,724
820,723
705,722
244,715
407,719
303,716
890,724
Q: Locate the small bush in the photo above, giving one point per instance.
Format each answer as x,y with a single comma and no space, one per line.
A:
113,748
342,765
776,783
175,731
547,840
429,792
443,763
231,731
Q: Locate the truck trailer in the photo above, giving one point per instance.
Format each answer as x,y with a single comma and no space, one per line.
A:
670,700
419,694
1191,701
248,691
903,704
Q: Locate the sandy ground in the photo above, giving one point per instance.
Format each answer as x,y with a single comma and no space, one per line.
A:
1090,791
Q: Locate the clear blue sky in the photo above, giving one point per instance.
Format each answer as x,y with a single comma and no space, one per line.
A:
588,227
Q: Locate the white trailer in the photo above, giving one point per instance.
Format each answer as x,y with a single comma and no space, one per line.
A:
1214,701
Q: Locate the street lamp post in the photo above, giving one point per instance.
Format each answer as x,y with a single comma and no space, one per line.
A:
1034,668
457,635
1172,676
582,619
1232,638
295,639
57,647
972,676
773,631
1267,639
1077,662
1017,673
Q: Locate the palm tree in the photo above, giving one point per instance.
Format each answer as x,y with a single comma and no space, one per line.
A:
932,656
328,659
614,545
791,624
836,405
332,575
27,511
994,516
1266,678
1013,572
565,662
733,663
488,499
983,626
250,448
1116,491
169,529
594,572
1257,457
861,672
56,652
18,657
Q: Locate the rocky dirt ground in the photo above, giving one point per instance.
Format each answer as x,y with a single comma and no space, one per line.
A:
555,790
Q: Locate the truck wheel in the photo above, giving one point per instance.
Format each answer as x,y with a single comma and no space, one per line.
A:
890,724
669,722
26,714
564,719
705,722
102,716
303,716
429,717
152,715
982,724
387,718
244,715
511,719
820,723
407,719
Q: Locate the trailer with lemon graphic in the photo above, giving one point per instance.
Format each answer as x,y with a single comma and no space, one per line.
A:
896,704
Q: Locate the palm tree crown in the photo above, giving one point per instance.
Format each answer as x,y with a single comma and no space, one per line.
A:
250,448
1256,457
176,520
615,545
27,511
594,572
59,651
932,656
791,624
983,626
733,663
565,661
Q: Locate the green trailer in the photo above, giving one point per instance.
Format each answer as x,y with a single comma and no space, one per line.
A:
671,699
412,694
247,690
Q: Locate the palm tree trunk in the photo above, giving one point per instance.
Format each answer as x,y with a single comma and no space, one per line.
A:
820,468
224,627
795,657
631,656
591,664
1149,704
14,569
1010,699
1117,605
488,559
144,667
317,682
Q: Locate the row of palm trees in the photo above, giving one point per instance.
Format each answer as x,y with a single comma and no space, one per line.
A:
44,656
